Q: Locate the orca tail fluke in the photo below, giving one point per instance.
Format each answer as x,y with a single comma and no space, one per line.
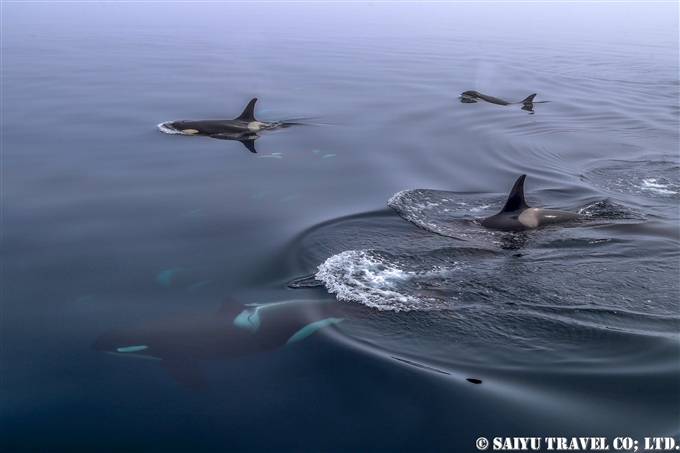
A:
529,99
248,114
516,197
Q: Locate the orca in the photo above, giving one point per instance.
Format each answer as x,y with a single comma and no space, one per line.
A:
517,215
472,96
180,341
468,97
243,128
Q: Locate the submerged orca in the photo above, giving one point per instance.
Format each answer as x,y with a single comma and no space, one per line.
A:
244,128
517,215
179,341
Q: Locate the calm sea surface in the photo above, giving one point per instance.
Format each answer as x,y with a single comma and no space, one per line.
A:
106,221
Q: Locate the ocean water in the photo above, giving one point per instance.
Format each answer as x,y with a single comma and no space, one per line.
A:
371,201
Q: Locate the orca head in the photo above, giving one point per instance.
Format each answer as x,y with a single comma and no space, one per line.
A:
184,126
469,97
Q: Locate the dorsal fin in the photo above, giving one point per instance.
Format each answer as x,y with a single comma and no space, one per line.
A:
248,114
529,99
230,307
516,197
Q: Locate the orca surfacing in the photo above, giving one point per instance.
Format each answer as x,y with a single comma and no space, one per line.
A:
517,215
243,128
470,97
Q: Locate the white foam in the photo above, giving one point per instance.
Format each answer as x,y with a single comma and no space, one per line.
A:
655,186
364,277
357,276
483,207
395,200
399,201
167,129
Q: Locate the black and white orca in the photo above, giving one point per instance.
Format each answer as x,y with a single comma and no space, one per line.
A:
517,215
243,128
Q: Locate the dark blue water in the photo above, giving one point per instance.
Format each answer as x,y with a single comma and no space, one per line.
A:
572,330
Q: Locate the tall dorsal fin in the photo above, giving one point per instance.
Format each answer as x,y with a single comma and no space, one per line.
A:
248,114
529,99
516,197
230,307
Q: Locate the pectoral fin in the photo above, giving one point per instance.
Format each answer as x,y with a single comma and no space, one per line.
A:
311,328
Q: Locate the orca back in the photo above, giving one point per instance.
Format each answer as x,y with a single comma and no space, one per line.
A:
517,215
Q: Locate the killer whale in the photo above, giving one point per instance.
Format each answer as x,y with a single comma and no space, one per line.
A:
468,97
235,329
517,215
243,128
472,96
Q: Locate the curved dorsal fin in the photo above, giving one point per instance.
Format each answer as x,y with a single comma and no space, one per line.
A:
529,99
516,197
248,114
